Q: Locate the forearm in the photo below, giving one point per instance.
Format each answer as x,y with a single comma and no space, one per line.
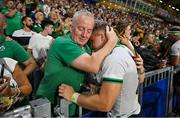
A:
11,13
93,102
25,90
30,68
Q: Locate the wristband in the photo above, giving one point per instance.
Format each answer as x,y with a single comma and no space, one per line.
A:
74,97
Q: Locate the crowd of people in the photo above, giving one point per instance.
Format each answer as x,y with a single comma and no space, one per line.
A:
55,48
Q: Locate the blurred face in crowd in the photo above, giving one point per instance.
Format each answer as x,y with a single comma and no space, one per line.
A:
82,29
49,29
151,38
10,4
54,16
127,31
174,37
28,22
39,16
98,39
157,33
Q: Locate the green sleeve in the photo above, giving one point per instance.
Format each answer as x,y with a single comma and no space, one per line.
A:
20,54
4,11
67,50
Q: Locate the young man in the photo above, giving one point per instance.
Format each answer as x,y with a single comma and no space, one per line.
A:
174,35
41,40
118,77
24,34
69,56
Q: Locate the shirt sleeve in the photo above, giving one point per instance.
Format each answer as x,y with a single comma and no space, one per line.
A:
11,63
20,54
113,70
32,42
175,51
67,50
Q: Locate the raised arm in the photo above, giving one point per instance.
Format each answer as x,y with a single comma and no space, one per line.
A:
92,63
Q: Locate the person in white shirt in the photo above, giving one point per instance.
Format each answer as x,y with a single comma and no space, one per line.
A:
41,40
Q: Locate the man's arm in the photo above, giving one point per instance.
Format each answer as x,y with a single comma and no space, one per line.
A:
103,101
22,81
30,66
175,60
92,63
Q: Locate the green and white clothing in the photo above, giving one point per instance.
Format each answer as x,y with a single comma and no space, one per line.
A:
120,68
12,50
58,69
13,23
175,48
7,102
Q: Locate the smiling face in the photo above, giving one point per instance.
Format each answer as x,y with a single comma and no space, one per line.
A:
81,30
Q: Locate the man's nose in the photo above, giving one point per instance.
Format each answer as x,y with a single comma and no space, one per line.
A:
84,33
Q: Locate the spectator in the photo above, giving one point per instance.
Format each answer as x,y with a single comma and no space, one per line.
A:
13,16
14,84
39,17
69,56
13,50
23,35
41,41
119,79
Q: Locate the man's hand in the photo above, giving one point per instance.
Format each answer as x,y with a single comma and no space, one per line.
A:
111,35
5,88
123,40
66,91
139,64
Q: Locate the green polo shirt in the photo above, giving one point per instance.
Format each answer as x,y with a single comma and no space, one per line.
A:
12,50
58,69
13,23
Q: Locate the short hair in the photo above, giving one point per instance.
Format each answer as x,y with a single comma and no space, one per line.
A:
24,18
174,30
100,25
46,23
121,27
81,12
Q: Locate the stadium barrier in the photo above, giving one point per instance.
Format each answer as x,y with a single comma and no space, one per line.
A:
41,107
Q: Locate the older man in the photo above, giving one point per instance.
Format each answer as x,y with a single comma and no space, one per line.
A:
70,55
118,78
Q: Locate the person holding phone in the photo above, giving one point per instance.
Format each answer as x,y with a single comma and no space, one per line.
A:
13,83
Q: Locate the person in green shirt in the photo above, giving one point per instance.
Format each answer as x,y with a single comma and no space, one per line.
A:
13,50
70,57
13,16
39,17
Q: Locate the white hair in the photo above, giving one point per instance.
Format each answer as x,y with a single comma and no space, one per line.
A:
81,12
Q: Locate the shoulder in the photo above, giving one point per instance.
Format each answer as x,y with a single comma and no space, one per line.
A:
11,63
